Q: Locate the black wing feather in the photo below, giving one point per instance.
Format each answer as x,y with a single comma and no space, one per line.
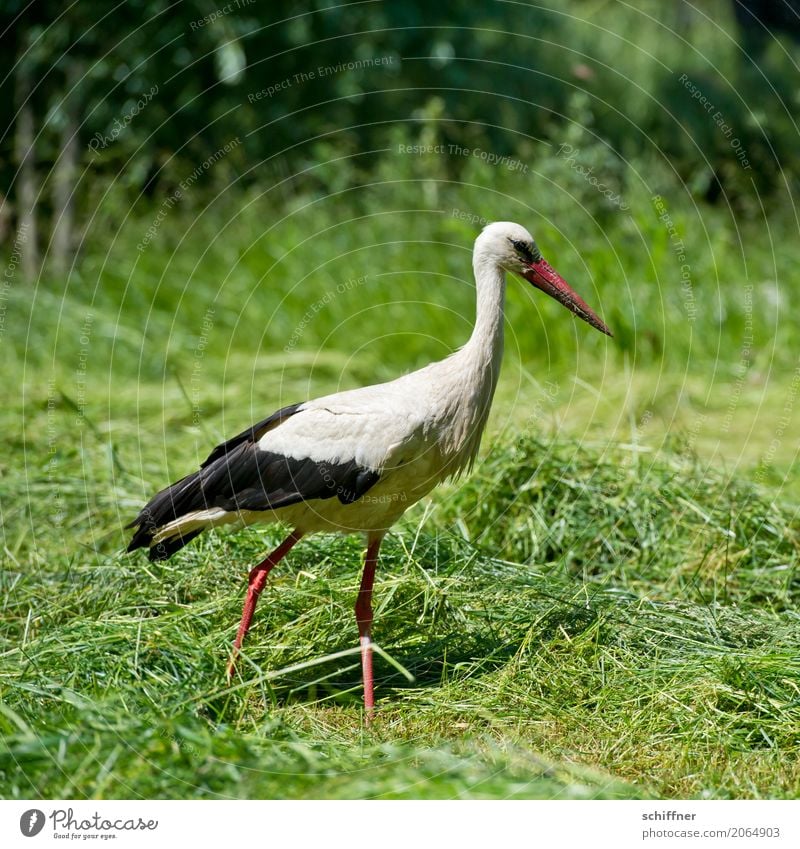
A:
239,476
252,433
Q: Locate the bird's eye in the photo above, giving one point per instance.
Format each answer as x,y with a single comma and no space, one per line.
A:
523,249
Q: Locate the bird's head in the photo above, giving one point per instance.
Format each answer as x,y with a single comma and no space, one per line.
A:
510,246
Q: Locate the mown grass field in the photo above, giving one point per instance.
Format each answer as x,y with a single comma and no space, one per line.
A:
607,608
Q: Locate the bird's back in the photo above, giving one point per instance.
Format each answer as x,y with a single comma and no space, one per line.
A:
350,461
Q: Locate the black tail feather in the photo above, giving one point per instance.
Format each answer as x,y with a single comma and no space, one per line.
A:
167,548
198,491
163,508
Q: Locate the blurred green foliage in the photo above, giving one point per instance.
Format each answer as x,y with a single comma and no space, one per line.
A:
503,77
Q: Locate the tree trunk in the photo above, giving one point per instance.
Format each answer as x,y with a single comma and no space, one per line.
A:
27,240
5,218
65,170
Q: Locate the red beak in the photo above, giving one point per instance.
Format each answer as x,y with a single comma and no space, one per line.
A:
550,281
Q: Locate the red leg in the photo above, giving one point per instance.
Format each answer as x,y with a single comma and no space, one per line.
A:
257,580
364,619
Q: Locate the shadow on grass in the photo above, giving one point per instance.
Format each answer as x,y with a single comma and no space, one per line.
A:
454,656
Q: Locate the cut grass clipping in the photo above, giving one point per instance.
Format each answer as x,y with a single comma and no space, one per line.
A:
577,625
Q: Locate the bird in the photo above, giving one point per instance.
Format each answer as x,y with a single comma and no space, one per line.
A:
355,461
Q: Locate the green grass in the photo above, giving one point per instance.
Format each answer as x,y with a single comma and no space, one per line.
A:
608,608
576,626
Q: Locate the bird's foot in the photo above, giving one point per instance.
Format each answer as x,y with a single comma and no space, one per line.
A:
369,688
230,668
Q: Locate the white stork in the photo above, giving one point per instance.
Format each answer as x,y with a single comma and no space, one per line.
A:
355,461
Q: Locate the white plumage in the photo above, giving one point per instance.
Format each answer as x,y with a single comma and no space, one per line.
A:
355,461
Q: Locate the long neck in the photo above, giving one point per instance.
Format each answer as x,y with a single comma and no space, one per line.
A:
485,346
474,371
477,368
